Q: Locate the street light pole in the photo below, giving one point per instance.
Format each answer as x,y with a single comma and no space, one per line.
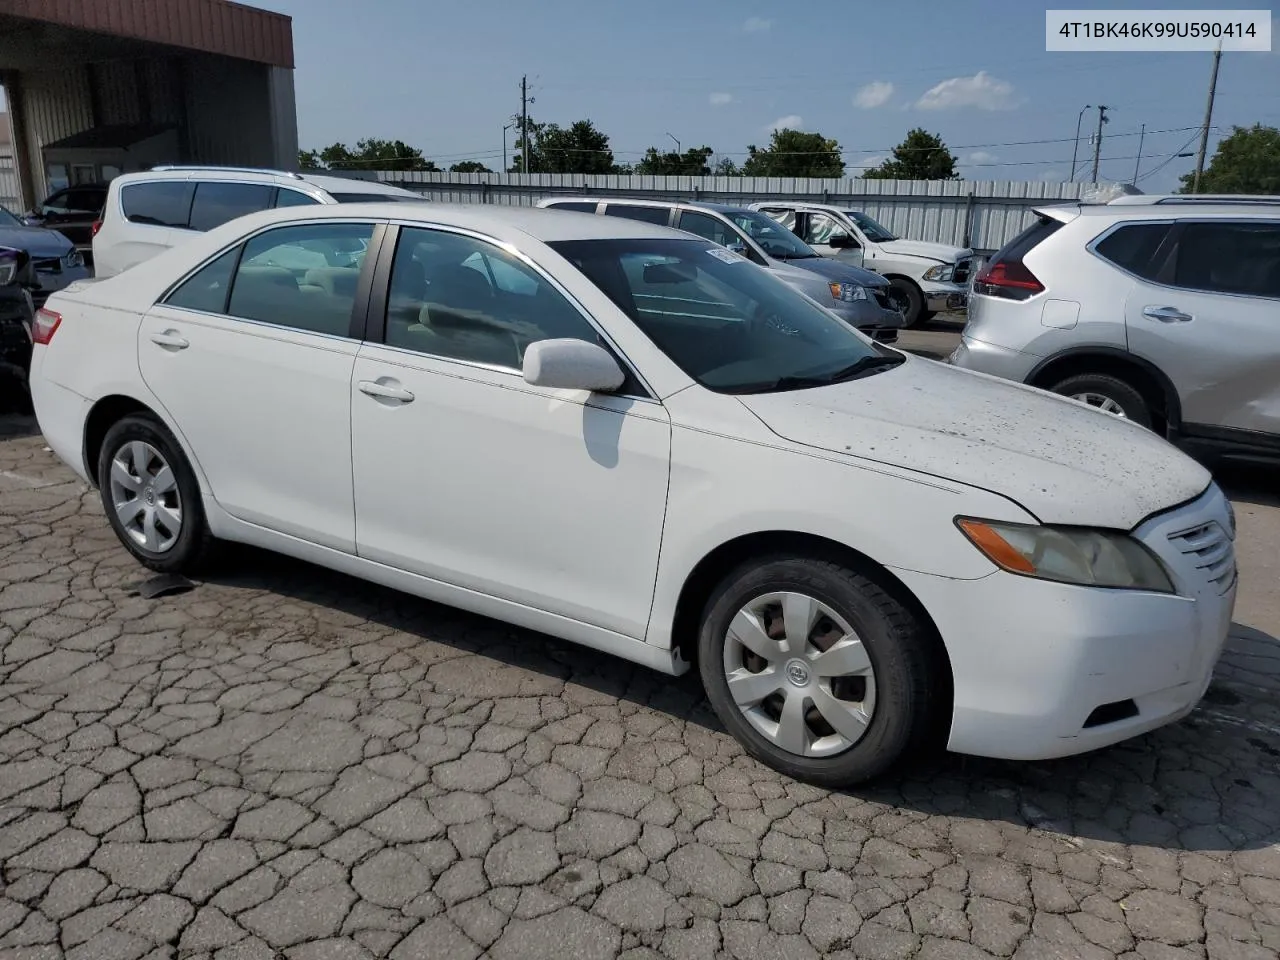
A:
505,128
1138,162
1076,149
677,142
1097,143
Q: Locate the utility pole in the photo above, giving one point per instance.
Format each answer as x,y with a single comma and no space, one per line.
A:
1138,162
677,142
1097,141
1208,117
524,123
1076,148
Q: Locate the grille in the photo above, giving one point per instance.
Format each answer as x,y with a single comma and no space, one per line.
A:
1210,549
961,272
49,264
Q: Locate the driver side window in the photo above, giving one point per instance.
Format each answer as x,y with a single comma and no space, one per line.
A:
820,228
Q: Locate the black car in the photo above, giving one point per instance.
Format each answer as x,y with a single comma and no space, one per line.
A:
55,259
17,315
72,211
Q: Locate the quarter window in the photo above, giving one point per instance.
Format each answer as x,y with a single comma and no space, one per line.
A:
293,198
1226,257
206,290
163,203
1134,248
463,299
658,215
304,277
216,202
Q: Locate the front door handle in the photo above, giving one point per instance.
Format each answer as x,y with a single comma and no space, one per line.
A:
1167,315
171,339
385,391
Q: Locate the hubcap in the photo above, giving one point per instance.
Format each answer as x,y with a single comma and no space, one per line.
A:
800,674
144,495
1100,402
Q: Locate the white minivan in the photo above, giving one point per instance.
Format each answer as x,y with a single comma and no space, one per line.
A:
147,213
925,277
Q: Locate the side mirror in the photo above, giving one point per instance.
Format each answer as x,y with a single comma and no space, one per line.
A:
842,241
567,364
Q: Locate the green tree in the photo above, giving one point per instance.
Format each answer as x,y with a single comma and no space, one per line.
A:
309,160
469,166
725,167
577,148
794,153
370,153
1247,161
691,163
921,156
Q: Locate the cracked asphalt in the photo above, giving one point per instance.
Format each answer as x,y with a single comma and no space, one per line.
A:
284,762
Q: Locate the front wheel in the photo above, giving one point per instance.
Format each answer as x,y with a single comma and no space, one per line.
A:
152,497
1108,394
907,299
816,670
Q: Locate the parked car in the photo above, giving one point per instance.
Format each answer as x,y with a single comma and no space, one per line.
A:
858,296
17,317
148,212
926,277
54,258
72,211
848,542
1161,309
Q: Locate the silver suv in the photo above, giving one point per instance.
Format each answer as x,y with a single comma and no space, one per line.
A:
1162,309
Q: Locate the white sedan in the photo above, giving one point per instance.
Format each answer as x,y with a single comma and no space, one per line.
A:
625,436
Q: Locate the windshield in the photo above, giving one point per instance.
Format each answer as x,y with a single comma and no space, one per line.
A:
875,232
8,219
774,239
732,326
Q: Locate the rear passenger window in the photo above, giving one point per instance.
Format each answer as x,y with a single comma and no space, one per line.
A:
164,203
206,290
217,202
293,198
1134,248
463,299
1224,257
658,215
303,277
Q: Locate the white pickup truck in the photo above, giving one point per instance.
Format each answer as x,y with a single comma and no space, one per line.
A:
924,277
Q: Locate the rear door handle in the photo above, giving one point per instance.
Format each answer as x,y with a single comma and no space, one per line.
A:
385,391
1167,315
170,338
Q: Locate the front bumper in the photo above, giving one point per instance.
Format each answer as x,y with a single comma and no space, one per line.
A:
868,315
1047,670
940,296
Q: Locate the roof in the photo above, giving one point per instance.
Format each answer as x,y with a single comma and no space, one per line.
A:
119,136
647,202
262,175
212,26
1162,211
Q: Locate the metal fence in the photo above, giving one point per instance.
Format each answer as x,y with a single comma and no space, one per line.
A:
978,213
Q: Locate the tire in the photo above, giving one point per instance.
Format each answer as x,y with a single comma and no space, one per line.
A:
902,684
908,296
133,440
1106,392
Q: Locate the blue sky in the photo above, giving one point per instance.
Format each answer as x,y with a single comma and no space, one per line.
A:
444,76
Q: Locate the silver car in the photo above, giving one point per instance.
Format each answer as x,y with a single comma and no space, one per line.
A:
1161,309
859,297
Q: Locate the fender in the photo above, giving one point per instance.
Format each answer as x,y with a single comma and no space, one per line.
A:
1173,404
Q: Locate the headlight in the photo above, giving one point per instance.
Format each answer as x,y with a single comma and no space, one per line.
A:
1231,513
1094,558
848,292
73,259
8,270
942,271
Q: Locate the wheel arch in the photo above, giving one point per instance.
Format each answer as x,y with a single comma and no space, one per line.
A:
707,572
1145,377
110,409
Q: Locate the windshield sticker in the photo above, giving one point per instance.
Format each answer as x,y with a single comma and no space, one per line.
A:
726,256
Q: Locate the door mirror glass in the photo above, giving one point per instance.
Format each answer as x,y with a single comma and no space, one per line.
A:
841,241
565,364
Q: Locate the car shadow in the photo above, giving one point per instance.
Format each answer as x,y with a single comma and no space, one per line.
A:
1257,484
1209,784
14,425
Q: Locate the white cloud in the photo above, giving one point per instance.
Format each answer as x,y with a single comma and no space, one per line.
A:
757,25
874,94
867,163
981,91
720,99
1053,176
792,121
981,156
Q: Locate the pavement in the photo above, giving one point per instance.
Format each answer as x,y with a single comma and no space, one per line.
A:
285,762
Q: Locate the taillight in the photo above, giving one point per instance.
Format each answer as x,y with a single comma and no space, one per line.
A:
46,325
97,225
1009,279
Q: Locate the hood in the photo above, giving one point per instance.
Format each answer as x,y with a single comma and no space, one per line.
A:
831,269
37,241
805,281
942,252
1062,461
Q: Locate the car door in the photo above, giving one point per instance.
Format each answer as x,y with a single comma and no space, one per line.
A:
831,238
154,216
252,358
466,474
1211,322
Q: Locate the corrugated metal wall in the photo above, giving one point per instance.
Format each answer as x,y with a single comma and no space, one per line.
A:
56,104
229,113
979,213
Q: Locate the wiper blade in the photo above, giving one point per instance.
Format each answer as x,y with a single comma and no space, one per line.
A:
852,371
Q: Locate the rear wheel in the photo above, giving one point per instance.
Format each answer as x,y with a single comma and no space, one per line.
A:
1108,394
151,496
907,298
816,670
